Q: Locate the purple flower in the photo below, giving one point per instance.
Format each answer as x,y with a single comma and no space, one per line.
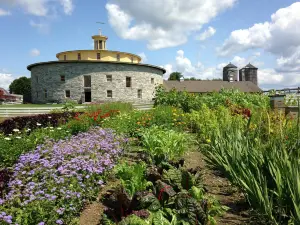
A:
60,211
41,223
59,222
64,163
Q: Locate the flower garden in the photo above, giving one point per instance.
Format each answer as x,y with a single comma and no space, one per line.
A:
133,164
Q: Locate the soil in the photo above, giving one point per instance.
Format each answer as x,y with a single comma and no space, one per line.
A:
215,184
222,189
92,214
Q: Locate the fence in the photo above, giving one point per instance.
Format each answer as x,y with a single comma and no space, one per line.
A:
17,111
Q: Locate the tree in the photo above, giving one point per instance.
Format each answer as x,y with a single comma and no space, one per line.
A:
175,76
21,86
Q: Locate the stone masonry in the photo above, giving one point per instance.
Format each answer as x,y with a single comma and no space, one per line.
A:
46,78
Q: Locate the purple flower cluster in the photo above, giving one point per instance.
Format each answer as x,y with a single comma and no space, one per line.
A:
63,172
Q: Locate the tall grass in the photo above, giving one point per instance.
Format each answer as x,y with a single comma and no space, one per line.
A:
262,158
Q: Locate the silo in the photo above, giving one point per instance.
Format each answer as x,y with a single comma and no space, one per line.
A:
248,73
230,73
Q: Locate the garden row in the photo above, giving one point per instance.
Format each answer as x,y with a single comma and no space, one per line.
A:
70,163
257,149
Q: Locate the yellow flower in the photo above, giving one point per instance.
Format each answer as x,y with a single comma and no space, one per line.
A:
208,140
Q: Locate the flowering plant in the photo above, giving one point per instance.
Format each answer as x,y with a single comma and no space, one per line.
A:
51,184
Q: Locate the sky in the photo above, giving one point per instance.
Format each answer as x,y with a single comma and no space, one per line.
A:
194,37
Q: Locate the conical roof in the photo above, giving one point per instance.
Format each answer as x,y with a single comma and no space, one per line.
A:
250,66
230,65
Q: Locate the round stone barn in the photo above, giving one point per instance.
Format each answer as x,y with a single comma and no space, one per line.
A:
97,75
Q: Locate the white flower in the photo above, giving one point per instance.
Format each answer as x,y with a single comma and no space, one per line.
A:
7,138
28,130
59,128
51,130
10,135
38,124
16,130
18,137
49,117
51,127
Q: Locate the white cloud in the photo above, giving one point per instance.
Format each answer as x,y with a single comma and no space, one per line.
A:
4,12
184,65
68,6
169,70
43,27
162,23
188,69
291,63
35,52
241,40
206,34
280,36
5,80
41,7
143,56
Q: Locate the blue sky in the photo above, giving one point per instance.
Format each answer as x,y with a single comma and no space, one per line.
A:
195,37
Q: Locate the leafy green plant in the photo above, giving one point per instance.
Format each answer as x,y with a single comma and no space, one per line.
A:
164,145
132,177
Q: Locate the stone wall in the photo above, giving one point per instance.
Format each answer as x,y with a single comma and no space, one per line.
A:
47,77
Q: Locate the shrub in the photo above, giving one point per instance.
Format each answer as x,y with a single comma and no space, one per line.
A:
189,101
34,122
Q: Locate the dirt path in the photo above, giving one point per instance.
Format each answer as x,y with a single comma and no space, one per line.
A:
222,189
214,183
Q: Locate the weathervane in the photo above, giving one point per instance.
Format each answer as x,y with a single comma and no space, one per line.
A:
99,28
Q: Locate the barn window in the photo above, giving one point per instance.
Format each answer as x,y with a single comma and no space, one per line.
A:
65,57
128,81
109,93
45,93
98,56
68,94
139,93
109,78
62,78
37,94
87,81
79,56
